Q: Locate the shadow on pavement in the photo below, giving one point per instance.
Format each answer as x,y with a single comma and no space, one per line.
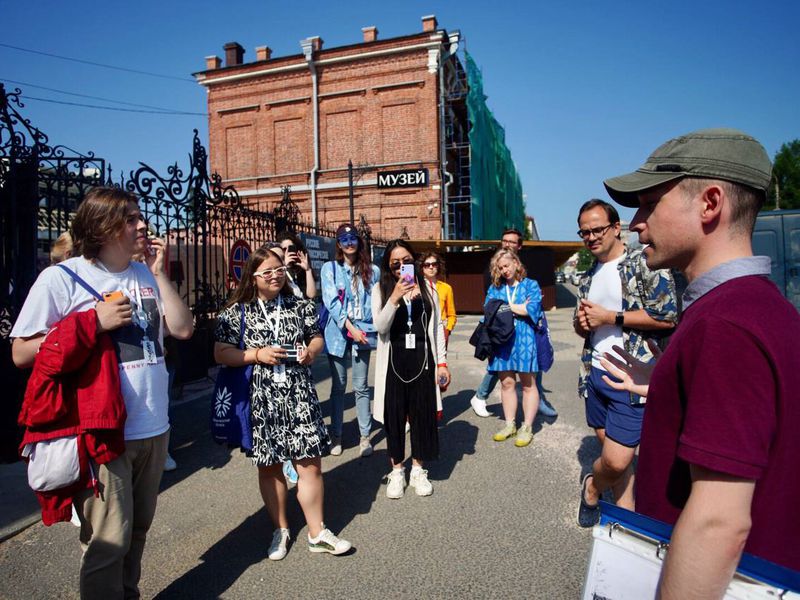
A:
224,562
588,451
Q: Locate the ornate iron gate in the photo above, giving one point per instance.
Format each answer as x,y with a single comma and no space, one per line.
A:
199,218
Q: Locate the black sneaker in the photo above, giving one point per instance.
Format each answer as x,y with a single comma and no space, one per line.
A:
588,515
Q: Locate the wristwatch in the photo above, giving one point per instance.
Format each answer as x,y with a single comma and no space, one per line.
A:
619,320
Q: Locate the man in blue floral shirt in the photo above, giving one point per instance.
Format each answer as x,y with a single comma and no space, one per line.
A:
621,303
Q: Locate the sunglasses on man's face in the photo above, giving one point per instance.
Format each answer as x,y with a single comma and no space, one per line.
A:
348,240
395,264
431,265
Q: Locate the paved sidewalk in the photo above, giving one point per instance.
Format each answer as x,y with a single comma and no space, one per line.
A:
500,521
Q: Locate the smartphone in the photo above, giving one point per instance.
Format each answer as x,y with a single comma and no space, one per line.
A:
292,352
113,296
291,248
407,273
150,235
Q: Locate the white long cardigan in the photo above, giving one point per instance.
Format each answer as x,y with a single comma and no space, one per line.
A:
382,318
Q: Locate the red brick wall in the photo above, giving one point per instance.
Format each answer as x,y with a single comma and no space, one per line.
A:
374,111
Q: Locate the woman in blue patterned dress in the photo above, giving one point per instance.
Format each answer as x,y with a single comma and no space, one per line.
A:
284,408
517,358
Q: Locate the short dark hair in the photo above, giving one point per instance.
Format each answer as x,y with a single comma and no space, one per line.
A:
100,217
611,212
513,230
292,237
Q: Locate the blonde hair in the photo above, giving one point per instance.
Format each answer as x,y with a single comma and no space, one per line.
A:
494,267
61,249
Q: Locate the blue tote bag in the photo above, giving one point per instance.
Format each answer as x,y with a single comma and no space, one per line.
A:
544,347
230,409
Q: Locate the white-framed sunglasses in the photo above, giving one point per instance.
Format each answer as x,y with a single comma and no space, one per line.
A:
270,273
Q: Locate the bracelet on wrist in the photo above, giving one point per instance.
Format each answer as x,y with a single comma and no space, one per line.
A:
442,365
258,362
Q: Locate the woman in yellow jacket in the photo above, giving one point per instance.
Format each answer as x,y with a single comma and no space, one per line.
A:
433,267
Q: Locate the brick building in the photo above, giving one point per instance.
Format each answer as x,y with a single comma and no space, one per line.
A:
386,105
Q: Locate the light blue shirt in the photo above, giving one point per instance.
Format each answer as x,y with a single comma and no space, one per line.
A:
334,278
738,267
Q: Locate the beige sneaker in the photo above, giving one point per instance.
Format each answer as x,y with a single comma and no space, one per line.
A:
419,481
336,446
524,436
505,433
365,446
397,484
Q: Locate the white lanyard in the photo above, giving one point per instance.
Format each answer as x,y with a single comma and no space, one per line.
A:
511,295
273,323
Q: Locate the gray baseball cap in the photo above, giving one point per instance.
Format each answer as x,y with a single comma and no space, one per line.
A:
726,154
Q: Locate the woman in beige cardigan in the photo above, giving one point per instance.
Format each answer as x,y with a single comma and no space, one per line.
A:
411,367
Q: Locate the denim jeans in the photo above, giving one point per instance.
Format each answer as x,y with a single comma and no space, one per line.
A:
487,385
360,370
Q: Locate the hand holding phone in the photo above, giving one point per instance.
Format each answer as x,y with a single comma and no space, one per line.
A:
407,273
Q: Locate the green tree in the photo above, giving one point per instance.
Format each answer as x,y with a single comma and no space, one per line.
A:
784,192
585,259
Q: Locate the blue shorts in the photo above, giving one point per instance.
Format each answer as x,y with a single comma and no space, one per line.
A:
610,409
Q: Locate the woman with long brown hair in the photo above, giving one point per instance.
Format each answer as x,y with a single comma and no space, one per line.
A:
347,284
281,339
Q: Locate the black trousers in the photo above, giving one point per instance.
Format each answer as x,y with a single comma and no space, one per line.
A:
414,401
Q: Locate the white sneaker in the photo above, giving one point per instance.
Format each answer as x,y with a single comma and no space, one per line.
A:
336,446
169,463
419,481
279,546
75,519
327,542
479,406
365,446
397,484
408,427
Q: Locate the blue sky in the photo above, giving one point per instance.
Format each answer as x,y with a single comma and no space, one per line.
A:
585,90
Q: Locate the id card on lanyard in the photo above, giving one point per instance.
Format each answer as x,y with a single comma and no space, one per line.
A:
411,339
274,322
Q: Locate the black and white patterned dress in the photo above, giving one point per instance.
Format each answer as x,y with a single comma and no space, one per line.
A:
286,416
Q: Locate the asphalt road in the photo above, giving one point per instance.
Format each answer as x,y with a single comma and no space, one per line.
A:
501,520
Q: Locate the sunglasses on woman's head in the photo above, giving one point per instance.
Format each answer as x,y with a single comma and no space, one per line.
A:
395,264
270,273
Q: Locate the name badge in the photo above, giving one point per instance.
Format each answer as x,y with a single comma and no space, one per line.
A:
279,373
149,349
411,341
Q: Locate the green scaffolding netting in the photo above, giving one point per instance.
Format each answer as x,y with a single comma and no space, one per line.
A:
497,201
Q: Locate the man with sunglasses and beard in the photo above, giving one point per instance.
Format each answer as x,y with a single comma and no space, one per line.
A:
621,302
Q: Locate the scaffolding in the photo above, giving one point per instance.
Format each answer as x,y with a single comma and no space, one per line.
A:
457,151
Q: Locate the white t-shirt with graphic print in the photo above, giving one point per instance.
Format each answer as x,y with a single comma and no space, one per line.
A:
144,386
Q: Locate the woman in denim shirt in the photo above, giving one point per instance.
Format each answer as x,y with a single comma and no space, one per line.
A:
349,334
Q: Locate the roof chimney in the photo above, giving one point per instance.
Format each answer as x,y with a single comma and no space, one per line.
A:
316,43
233,54
429,23
263,53
370,33
213,62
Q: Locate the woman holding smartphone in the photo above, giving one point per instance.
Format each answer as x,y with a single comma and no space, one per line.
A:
295,258
285,411
347,286
411,366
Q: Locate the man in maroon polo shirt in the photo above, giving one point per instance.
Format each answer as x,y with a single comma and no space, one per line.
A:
720,446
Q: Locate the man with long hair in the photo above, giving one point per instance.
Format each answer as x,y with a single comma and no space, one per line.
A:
107,231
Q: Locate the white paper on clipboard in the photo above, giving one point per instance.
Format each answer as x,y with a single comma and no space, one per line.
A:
626,565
